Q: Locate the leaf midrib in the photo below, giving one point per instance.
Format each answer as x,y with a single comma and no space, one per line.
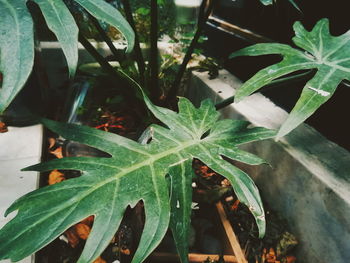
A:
149,161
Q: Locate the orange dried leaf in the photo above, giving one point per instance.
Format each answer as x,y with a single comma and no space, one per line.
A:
291,259
88,221
52,142
55,177
3,127
225,183
99,260
82,230
72,237
57,152
235,205
125,251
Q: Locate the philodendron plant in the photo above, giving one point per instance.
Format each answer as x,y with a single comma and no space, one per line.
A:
17,37
319,50
158,170
159,173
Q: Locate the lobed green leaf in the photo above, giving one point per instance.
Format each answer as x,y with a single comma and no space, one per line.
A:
133,172
321,51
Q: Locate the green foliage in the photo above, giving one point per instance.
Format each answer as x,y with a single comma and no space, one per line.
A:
270,2
321,51
266,2
17,43
166,18
134,172
16,48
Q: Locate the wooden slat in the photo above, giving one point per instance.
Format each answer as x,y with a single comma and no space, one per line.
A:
230,239
237,250
192,257
242,32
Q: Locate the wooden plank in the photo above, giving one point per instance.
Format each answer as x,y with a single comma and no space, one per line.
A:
192,257
236,30
231,236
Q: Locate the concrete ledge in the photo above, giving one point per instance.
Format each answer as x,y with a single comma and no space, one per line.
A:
309,178
20,147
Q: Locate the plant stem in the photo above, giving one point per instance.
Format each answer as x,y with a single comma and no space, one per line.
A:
153,63
225,103
118,75
137,49
202,18
117,54
97,56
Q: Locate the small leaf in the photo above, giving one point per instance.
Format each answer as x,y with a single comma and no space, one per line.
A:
294,4
266,2
107,13
143,11
270,2
326,53
16,48
62,24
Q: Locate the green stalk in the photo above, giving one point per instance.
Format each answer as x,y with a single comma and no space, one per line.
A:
153,63
137,48
98,57
117,54
225,103
202,19
118,75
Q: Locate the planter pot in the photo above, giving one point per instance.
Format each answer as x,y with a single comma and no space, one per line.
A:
308,182
233,253
20,147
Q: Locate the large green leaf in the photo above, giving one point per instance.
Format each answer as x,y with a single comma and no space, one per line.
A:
135,171
107,13
16,48
326,53
61,22
17,43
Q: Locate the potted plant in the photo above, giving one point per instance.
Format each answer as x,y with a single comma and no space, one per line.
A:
157,169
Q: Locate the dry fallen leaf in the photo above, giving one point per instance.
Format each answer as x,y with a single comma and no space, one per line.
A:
100,260
72,237
82,230
88,221
55,177
235,205
57,152
271,256
52,142
125,251
3,127
225,183
291,259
